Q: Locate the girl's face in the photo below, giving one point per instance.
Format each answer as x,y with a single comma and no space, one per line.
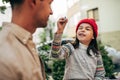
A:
85,33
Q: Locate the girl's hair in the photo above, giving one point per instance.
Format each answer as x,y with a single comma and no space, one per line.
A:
92,46
15,2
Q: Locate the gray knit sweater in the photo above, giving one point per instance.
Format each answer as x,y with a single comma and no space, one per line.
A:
79,65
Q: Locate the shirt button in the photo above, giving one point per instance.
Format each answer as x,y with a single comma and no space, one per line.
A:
24,40
33,49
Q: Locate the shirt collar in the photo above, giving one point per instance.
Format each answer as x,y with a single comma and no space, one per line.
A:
82,46
22,34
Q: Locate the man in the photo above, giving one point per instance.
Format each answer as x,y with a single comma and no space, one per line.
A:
18,57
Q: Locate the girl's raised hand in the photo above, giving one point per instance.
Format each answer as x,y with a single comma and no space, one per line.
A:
61,24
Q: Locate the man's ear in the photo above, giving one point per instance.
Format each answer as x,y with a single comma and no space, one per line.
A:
35,1
32,3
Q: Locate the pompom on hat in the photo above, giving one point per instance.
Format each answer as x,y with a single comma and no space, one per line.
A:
92,22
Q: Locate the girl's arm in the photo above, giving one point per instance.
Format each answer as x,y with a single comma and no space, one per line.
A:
59,51
100,71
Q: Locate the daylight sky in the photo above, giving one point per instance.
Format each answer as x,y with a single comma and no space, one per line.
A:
58,6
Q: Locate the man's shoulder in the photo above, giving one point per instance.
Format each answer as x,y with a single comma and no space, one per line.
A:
4,35
7,52
5,41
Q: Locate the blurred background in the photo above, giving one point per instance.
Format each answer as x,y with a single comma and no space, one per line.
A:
105,12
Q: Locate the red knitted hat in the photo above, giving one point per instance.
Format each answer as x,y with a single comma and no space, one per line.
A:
91,22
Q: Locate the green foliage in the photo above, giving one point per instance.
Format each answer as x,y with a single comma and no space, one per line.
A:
2,9
50,28
42,36
45,58
44,47
108,64
58,69
0,28
5,1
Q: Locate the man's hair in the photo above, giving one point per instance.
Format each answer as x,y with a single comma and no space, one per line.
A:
15,3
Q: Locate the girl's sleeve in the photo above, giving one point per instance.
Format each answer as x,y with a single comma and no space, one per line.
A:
57,50
100,71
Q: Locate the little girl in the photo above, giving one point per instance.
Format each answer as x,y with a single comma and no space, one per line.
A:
83,60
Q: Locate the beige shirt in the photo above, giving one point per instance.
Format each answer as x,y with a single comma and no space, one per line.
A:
18,57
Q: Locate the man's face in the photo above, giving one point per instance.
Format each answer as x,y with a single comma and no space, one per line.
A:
43,12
